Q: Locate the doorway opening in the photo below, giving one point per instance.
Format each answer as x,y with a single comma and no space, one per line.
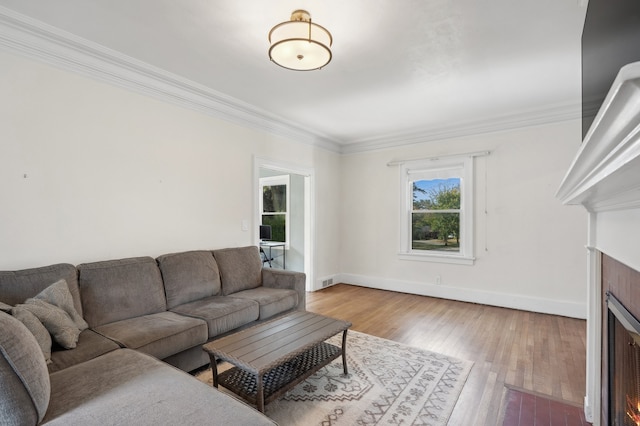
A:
284,200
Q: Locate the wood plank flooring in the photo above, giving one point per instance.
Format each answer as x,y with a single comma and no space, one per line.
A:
536,352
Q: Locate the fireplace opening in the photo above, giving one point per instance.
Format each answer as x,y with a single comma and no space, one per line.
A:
624,365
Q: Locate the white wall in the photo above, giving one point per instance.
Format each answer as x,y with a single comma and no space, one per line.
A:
92,172
295,254
89,172
617,235
529,247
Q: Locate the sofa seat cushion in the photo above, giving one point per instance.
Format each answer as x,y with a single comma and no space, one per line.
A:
90,345
125,387
272,301
293,280
189,276
221,313
160,335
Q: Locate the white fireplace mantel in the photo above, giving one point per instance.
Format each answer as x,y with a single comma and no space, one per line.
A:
605,178
605,175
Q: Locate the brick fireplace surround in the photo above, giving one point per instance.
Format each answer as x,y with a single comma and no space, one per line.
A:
624,283
605,179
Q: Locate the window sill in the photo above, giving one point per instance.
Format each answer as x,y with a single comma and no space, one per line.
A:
437,258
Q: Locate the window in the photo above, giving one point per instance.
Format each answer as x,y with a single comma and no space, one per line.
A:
437,210
274,206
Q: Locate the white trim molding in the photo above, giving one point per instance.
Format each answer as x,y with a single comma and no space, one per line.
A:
594,337
515,120
594,325
605,178
503,300
38,40
435,168
309,208
605,175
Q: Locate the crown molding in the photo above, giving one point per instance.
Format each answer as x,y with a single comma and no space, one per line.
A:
548,115
605,174
38,40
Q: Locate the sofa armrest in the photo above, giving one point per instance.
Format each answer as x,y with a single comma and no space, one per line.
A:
279,278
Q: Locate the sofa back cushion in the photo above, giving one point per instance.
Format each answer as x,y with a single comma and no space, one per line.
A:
240,268
189,276
115,290
18,286
24,379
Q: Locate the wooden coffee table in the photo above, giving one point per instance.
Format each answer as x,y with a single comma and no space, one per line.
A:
274,356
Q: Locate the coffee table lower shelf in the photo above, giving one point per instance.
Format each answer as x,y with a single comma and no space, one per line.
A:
281,378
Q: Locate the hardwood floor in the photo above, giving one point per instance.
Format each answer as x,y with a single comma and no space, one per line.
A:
537,352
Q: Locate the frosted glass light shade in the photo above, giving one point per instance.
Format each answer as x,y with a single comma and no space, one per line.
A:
299,44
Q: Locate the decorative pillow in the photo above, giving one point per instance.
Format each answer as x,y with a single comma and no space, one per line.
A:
25,384
36,328
56,320
58,294
5,308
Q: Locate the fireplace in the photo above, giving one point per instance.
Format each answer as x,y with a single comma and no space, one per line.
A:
623,342
605,179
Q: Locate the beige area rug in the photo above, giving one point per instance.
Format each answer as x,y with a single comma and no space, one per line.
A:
388,383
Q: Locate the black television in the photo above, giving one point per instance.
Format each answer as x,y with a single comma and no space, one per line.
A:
265,232
610,40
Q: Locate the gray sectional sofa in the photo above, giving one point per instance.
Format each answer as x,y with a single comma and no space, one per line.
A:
138,311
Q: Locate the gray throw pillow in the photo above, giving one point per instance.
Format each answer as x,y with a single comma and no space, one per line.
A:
56,320
36,328
26,389
58,294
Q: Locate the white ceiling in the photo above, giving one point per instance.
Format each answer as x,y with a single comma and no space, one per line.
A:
402,70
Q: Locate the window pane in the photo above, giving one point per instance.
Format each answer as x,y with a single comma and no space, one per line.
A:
274,199
277,222
435,231
436,194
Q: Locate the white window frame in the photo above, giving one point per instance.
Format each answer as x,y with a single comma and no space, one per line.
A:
438,168
277,181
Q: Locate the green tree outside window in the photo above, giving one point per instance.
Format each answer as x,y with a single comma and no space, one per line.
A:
436,215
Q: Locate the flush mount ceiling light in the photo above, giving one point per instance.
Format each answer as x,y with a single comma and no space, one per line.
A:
299,44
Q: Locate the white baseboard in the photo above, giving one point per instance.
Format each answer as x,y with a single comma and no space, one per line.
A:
504,300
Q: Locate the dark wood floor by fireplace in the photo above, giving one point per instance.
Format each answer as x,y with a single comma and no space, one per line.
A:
529,409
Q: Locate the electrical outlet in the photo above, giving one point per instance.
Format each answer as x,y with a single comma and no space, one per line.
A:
438,280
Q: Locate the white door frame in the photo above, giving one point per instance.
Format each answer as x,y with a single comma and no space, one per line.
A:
309,206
